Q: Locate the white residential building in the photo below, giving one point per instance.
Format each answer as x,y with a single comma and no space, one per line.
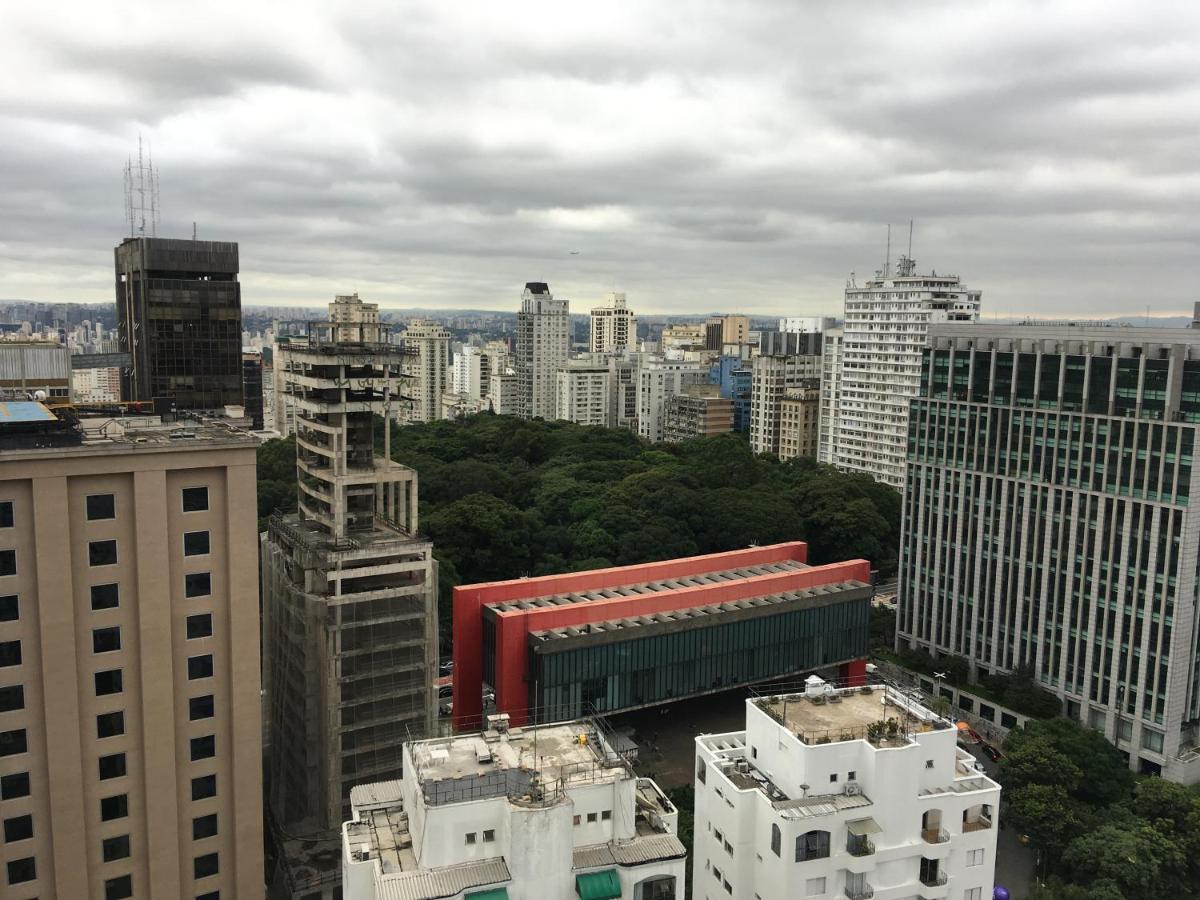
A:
886,322
504,394
773,376
658,380
471,371
584,391
807,324
542,812
831,394
613,327
851,793
543,345
428,368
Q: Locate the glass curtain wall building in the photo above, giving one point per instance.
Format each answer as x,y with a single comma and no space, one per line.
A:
1047,522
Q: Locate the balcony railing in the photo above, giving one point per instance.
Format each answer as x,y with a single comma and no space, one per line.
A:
863,892
933,879
861,847
935,835
979,824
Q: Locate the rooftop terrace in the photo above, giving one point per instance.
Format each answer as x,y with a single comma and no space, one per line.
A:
879,714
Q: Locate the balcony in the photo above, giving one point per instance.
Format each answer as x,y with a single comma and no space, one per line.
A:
980,824
860,846
933,878
861,891
935,835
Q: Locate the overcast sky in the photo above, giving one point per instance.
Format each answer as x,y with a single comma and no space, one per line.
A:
738,156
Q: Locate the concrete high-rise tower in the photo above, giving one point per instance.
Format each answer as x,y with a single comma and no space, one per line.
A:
613,327
179,317
429,361
886,322
130,719
349,590
543,346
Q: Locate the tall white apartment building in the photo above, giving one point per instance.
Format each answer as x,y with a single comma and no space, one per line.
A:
428,367
613,328
543,345
657,381
773,376
551,811
807,324
585,389
471,371
504,394
831,394
886,322
852,793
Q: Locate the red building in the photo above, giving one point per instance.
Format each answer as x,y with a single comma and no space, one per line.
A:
561,646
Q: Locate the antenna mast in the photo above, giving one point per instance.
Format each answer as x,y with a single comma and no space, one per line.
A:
910,221
887,259
141,194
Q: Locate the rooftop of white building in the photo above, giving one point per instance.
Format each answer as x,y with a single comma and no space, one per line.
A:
880,714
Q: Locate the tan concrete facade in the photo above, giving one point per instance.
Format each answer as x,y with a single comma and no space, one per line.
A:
165,643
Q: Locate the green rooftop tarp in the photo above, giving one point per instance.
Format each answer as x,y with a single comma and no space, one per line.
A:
500,893
598,885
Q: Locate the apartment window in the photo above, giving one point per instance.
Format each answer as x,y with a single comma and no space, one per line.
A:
205,866
776,840
195,543
10,653
110,724
832,777
974,857
6,514
199,626
195,499
12,742
605,815
22,870
18,828
204,747
812,845
115,807
489,835
204,786
108,682
851,775
1153,741
204,827
200,667
13,786
575,820
197,584
929,763
119,888
814,887
10,609
101,506
115,848
106,640
112,766
200,707
975,893
471,835
12,698
102,553
8,562
592,817
105,596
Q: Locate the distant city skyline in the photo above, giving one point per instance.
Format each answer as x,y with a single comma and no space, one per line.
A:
742,157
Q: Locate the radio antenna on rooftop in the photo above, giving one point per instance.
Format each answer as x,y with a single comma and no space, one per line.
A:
141,194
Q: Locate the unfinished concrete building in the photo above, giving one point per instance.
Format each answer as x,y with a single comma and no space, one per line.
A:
349,597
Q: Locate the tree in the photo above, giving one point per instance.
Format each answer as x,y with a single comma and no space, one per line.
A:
1084,761
1047,813
1140,860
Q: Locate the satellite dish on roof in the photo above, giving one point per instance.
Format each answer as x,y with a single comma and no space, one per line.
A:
40,396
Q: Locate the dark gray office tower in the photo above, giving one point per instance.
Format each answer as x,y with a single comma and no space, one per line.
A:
179,317
1048,522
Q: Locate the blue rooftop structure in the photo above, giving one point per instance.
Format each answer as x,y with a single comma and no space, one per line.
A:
24,411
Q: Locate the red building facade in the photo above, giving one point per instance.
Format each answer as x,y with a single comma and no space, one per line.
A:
582,642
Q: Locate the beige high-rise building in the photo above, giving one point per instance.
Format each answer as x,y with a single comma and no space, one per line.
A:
799,420
429,364
130,721
613,328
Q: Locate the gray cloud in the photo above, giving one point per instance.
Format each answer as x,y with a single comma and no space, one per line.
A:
699,155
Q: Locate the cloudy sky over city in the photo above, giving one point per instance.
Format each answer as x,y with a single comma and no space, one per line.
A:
737,156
